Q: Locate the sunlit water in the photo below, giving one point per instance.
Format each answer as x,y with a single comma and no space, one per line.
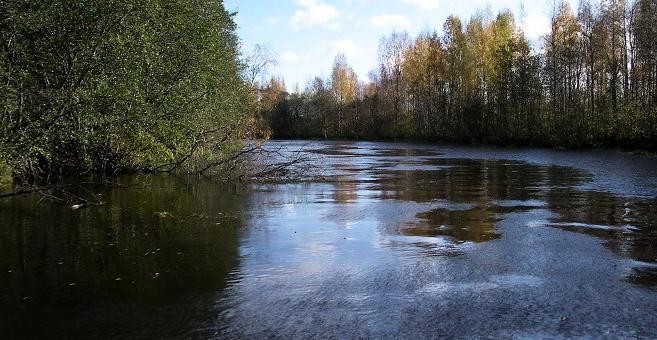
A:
389,240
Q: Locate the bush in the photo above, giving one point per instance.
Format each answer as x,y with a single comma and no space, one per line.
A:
96,86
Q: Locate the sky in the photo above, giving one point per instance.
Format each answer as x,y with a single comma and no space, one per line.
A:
306,35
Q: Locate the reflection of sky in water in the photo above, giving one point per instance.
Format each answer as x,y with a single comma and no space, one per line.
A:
412,241
406,241
436,199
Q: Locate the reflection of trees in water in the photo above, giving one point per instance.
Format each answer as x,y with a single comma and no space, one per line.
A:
467,180
338,149
127,251
478,224
481,183
628,226
474,225
345,192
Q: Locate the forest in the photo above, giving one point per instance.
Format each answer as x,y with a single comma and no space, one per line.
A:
590,82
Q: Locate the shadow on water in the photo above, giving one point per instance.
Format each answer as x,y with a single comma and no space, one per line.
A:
109,270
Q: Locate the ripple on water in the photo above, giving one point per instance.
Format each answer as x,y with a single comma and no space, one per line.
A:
396,239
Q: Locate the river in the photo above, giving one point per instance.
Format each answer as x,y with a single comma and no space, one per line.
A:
389,240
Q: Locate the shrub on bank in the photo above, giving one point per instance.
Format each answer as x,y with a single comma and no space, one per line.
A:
105,86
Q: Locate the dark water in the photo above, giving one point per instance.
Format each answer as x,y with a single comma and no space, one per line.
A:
391,240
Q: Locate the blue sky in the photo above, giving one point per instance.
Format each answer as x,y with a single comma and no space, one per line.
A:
305,35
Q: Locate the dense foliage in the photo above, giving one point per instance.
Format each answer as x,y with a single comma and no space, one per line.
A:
591,82
94,86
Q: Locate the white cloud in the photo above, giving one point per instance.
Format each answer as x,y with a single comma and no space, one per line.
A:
426,5
345,46
290,57
315,13
535,26
393,21
274,20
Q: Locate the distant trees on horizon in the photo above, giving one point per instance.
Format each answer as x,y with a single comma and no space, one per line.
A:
593,82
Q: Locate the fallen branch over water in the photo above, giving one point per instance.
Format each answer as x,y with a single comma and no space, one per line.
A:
62,193
291,167
19,193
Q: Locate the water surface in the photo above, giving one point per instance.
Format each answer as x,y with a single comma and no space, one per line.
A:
386,240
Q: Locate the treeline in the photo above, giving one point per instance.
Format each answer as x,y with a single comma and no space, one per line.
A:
591,82
98,86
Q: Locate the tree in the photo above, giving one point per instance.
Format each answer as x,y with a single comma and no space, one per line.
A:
391,58
592,82
117,85
344,86
563,63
